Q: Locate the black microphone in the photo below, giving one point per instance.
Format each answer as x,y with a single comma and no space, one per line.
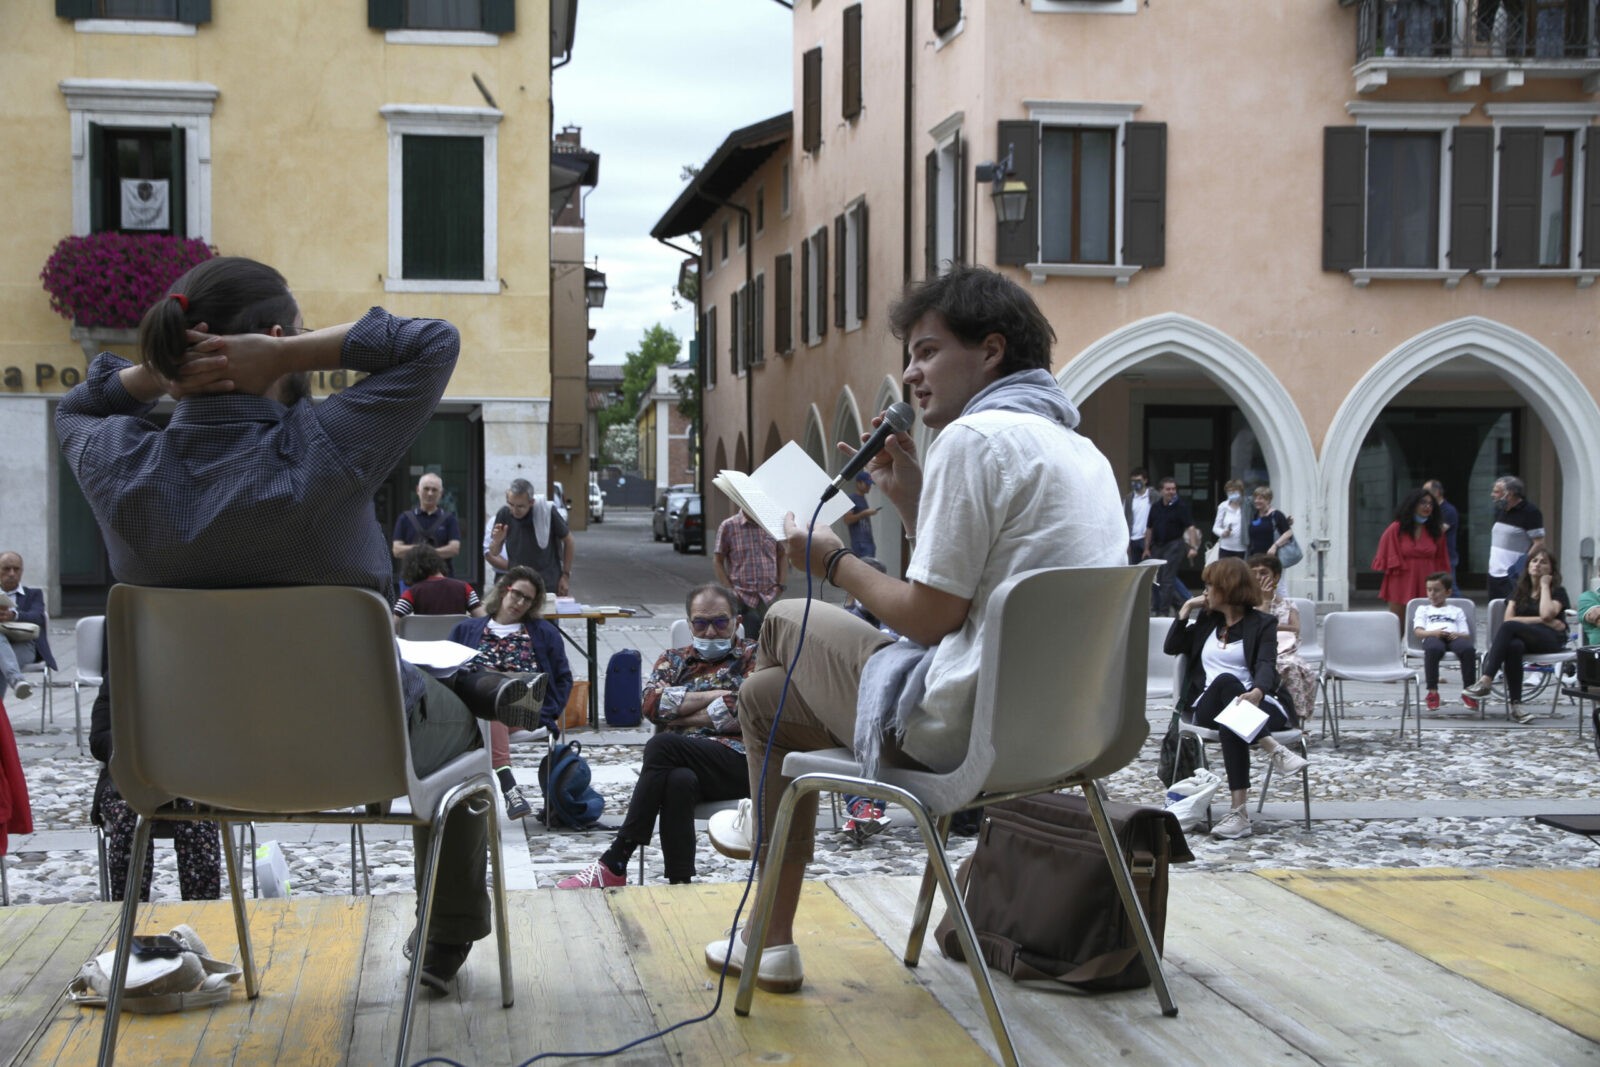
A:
897,419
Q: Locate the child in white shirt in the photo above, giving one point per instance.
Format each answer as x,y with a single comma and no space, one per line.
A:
1442,627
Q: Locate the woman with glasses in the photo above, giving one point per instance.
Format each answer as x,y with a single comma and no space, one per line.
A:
697,753
512,639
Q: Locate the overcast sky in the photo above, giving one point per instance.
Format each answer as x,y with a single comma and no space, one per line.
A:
657,84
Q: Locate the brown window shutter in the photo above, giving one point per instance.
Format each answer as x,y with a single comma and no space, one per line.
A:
747,354
852,61
958,210
709,348
1344,197
734,300
758,322
930,214
1521,163
805,291
811,100
946,13
782,289
841,247
1589,253
1471,196
861,261
822,282
1144,195
1019,242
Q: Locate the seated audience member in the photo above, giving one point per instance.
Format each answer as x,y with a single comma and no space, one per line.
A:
18,603
428,591
1535,621
1232,650
697,752
1589,614
1296,678
512,639
1442,627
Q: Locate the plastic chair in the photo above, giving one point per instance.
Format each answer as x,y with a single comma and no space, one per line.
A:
91,671
1550,663
1294,738
1413,645
1310,650
293,746
1056,707
1163,678
426,627
1363,646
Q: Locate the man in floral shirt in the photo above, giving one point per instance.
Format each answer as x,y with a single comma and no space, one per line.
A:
697,752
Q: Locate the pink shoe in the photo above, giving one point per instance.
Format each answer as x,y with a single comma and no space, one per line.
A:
595,876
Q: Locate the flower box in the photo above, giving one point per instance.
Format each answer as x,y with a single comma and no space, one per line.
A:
107,280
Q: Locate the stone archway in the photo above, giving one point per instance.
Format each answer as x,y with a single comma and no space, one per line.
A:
815,441
846,422
1285,443
1561,401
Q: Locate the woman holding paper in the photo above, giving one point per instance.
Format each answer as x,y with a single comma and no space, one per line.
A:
1232,648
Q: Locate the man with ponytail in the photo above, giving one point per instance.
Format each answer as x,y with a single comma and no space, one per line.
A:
251,484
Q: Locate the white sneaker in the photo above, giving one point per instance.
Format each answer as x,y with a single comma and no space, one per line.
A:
780,964
731,831
23,689
1233,825
1285,760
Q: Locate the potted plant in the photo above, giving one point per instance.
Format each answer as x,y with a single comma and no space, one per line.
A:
103,282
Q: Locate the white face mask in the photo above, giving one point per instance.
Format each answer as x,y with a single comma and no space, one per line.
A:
1233,498
713,648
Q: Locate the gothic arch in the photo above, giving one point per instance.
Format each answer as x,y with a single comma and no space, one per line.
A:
815,441
846,421
1548,386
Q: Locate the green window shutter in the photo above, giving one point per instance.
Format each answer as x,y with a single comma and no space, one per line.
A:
499,16
386,14
1144,192
1344,197
840,245
194,12
946,13
1589,254
74,9
811,100
958,210
97,178
805,291
861,261
930,214
852,61
782,312
1019,242
1521,161
1471,196
822,282
177,200
442,207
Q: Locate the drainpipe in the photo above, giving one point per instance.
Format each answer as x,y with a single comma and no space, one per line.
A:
700,385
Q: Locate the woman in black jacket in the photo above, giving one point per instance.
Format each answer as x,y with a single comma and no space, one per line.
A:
1232,650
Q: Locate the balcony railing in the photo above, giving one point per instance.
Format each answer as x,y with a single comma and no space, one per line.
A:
1477,29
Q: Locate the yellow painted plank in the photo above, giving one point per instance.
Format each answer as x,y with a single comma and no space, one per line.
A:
43,948
859,1003
1577,890
1538,954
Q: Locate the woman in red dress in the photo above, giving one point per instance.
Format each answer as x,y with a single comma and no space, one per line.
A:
1412,548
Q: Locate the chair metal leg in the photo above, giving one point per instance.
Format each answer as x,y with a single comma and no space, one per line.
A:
358,859
103,872
119,968
1130,902
430,872
502,927
756,931
241,922
1305,780
5,886
924,907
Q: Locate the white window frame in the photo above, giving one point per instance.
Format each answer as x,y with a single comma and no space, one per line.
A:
1094,115
467,38
1560,118
1086,7
1416,118
944,136
143,27
431,120
851,252
143,105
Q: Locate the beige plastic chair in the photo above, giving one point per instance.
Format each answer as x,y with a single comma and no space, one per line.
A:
1057,707
1364,646
426,627
286,746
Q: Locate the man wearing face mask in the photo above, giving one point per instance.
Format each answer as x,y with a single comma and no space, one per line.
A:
697,752
1136,509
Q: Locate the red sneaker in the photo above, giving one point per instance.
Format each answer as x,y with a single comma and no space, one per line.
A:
1469,702
1433,701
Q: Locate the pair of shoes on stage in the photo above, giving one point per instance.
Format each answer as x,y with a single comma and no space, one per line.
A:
780,970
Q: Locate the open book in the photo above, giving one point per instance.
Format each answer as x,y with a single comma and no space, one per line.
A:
788,481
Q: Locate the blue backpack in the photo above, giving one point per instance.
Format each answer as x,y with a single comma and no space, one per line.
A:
568,798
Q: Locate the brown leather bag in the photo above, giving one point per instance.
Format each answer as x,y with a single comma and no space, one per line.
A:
576,713
1041,895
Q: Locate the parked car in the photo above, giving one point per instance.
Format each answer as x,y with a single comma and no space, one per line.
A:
675,506
658,520
597,503
558,497
689,535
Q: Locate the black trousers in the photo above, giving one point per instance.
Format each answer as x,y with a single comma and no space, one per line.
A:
678,772
1511,642
1235,749
1433,650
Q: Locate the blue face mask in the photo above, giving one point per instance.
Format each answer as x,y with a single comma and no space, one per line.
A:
1233,498
713,648
1421,520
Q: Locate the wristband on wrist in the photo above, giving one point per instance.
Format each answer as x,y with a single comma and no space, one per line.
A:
832,564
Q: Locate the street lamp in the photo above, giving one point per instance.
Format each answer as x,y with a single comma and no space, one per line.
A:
594,288
1010,195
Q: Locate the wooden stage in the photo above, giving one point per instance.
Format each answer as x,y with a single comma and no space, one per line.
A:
1338,967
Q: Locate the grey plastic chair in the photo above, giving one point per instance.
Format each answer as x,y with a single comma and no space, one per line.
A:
1162,680
1310,650
1413,649
175,650
1295,738
426,627
1557,660
1363,646
1056,708
90,671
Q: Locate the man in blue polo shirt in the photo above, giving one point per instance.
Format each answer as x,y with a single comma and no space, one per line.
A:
1170,535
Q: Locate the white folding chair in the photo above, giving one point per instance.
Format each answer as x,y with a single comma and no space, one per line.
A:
1363,646
1057,707
325,742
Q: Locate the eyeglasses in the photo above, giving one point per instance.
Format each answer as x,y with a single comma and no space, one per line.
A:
517,594
718,622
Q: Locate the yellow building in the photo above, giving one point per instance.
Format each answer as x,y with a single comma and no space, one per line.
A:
395,152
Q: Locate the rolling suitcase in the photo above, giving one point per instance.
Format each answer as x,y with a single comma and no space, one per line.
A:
622,688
